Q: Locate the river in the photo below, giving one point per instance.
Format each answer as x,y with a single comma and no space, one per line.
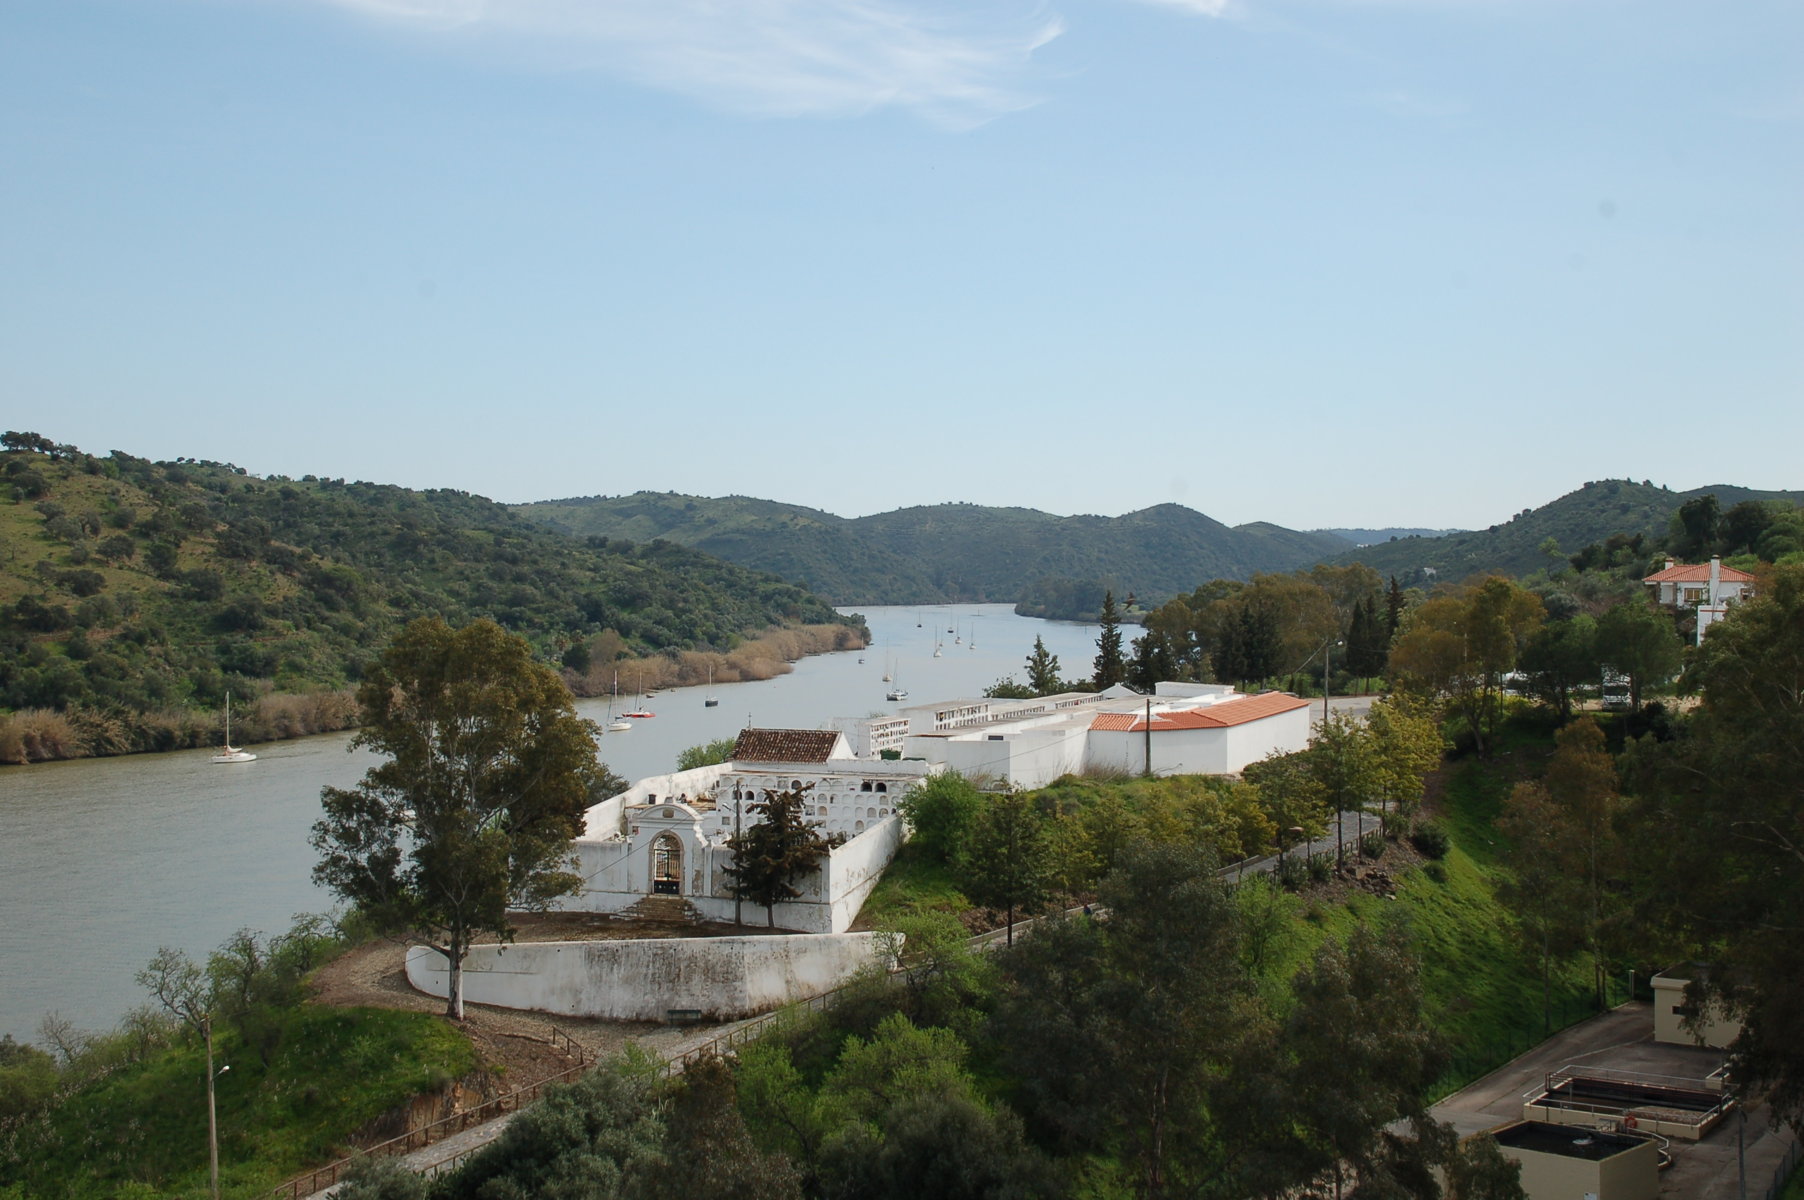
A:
104,860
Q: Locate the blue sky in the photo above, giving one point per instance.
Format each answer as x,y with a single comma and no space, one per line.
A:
1318,262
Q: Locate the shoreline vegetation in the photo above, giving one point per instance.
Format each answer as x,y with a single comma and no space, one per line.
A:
35,735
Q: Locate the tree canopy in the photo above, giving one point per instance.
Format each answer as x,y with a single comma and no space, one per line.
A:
487,775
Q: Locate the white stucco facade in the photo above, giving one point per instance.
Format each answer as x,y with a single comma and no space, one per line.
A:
670,834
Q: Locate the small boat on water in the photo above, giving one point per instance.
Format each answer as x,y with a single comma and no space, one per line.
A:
616,724
895,693
711,700
229,753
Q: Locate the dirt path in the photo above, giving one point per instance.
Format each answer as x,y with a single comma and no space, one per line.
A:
519,1047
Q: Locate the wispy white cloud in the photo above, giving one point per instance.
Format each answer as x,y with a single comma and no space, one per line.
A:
956,64
1201,8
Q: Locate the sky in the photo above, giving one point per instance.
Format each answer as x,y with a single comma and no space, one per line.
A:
1348,263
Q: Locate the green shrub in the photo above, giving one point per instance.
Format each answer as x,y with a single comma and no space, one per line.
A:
1430,840
1371,845
1321,866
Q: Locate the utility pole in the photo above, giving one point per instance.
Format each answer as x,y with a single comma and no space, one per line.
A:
1149,737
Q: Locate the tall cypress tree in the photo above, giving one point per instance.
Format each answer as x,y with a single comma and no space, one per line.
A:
1368,643
1393,608
1111,668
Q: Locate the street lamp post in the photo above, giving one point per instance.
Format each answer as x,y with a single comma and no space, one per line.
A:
1327,675
206,1030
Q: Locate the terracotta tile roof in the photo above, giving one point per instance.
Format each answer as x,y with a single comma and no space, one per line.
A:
1215,716
1696,573
785,745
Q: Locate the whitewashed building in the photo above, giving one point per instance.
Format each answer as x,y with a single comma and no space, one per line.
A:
668,835
1182,729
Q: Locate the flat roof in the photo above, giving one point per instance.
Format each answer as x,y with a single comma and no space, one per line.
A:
1567,1141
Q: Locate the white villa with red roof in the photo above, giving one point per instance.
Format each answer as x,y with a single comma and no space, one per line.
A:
1710,588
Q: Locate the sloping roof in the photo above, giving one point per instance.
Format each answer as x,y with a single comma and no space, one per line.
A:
1214,716
785,745
1696,573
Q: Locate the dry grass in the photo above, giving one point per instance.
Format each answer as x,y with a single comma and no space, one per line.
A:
36,735
761,658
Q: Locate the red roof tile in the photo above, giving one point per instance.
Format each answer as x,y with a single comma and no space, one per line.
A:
1696,573
1214,716
785,745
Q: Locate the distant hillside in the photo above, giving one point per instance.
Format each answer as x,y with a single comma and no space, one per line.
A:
1367,537
1574,521
947,552
130,585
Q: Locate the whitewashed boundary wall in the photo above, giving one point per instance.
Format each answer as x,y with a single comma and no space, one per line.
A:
717,979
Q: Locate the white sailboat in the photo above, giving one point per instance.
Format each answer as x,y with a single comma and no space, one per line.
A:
229,753
711,700
616,724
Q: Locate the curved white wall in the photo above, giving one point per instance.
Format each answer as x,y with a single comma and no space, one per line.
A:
645,980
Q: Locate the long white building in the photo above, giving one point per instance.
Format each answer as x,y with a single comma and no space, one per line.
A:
669,835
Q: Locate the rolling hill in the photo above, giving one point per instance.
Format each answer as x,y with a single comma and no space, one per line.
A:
131,586
1514,547
947,552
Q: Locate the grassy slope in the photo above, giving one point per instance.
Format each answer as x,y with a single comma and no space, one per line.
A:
1482,991
334,1071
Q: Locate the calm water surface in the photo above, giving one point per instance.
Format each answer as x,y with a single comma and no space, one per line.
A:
104,860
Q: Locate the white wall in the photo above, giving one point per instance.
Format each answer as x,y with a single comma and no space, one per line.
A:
644,980
1247,744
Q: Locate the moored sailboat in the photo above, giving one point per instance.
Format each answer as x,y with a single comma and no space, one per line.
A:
229,753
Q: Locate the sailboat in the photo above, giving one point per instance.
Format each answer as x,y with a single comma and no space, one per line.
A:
711,700
229,753
615,724
895,692
639,712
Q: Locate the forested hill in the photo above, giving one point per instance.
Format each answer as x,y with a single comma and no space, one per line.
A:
948,552
129,585
1521,544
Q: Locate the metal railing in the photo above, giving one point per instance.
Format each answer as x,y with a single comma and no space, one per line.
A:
1783,1172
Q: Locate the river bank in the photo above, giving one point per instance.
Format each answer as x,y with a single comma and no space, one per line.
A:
106,859
38,735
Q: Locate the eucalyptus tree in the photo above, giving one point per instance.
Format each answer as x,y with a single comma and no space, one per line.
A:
486,776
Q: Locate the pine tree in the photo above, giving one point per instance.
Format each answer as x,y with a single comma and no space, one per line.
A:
767,856
1111,668
1043,670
